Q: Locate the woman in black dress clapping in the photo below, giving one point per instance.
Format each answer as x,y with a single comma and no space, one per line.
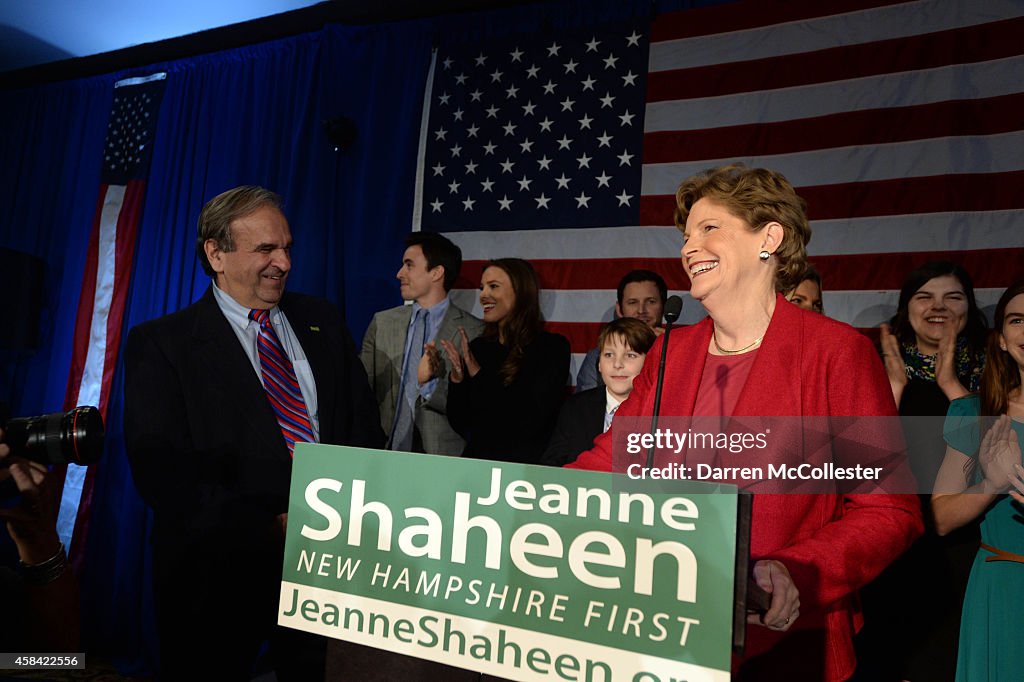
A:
506,387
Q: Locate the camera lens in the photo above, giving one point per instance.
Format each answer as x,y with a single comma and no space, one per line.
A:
74,437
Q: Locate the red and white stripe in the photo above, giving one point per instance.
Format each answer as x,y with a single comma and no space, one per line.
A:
898,122
97,342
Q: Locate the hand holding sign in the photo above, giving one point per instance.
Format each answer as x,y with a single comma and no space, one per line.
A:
773,577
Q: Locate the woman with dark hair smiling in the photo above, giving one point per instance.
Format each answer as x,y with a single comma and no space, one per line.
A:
934,347
934,352
983,461
745,233
506,386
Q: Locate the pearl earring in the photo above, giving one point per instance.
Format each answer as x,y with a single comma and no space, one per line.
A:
764,255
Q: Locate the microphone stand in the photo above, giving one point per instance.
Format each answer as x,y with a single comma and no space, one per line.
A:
748,594
673,307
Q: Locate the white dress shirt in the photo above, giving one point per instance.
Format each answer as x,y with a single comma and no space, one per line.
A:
247,332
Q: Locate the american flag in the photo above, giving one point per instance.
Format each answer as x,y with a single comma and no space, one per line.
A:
549,137
126,161
898,122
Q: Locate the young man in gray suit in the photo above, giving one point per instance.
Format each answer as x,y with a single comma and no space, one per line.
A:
413,414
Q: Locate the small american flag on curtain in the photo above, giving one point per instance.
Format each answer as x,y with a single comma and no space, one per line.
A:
108,266
898,122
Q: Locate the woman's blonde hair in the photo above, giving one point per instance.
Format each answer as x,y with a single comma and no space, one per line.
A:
759,196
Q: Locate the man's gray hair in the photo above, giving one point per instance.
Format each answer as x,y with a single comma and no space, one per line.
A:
219,212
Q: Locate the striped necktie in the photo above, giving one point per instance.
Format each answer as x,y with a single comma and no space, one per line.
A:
608,416
281,384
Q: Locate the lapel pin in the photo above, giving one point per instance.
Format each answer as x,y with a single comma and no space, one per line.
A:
314,329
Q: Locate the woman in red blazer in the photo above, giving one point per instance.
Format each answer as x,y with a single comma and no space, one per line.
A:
745,234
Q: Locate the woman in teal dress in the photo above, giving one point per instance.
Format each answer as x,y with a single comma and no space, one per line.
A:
985,434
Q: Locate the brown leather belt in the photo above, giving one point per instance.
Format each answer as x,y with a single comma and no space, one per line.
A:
1002,555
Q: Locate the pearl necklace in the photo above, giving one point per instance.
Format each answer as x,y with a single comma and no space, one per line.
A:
726,351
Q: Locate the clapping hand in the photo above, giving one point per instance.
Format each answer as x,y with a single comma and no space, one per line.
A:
1017,479
1000,457
431,365
894,366
463,362
945,365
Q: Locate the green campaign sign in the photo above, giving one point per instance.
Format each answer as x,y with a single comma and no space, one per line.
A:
519,571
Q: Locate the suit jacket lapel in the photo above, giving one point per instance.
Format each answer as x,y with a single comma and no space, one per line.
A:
221,355
773,387
687,365
396,335
596,411
449,328
775,368
309,332
393,344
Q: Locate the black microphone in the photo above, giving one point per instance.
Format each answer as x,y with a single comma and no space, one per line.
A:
673,307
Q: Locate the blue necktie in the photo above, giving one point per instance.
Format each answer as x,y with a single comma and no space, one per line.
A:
608,416
405,410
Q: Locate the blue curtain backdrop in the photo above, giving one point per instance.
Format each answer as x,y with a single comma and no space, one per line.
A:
49,176
247,116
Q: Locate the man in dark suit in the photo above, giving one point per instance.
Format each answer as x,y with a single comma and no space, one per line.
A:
216,395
